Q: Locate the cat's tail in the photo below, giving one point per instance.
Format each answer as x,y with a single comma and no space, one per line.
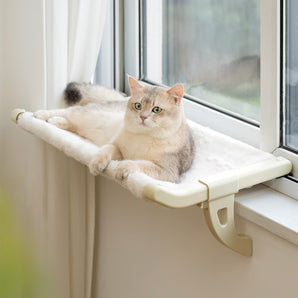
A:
83,93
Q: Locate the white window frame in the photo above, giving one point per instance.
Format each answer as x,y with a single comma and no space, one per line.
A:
197,112
267,136
271,45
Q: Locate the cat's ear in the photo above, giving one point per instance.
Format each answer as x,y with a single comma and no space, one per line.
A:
176,92
134,85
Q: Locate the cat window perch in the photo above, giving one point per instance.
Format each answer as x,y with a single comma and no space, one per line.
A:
222,166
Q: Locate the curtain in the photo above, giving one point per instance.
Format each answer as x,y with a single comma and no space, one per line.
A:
45,44
72,31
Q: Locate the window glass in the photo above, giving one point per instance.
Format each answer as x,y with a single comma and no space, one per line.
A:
290,129
212,46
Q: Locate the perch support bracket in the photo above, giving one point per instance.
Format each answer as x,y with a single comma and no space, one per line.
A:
219,212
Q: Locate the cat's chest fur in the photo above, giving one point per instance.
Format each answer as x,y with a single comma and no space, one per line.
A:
140,146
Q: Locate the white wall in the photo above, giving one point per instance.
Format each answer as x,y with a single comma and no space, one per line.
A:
22,66
146,250
22,86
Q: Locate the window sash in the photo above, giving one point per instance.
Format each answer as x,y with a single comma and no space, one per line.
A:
212,118
153,64
267,137
287,105
270,53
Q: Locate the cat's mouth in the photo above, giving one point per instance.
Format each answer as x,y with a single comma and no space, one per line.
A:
143,123
145,126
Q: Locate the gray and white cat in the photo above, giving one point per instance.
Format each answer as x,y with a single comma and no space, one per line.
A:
147,133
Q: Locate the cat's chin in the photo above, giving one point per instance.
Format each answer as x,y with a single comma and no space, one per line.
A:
154,132
149,129
140,129
145,126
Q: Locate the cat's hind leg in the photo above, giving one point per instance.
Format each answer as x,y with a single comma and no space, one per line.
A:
47,114
61,123
56,117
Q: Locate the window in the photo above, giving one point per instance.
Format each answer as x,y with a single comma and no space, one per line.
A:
283,138
249,60
212,46
290,106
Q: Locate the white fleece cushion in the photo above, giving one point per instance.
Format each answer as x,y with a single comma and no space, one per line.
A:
215,152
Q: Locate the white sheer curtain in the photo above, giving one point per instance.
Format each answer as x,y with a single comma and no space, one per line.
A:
45,44
73,31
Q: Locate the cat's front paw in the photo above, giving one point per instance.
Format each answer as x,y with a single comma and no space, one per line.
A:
99,163
42,114
124,168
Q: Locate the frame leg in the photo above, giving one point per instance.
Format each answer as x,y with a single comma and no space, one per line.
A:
219,215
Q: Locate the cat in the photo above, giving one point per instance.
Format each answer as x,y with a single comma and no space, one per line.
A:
147,133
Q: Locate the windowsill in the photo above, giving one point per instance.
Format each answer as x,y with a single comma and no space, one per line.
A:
270,209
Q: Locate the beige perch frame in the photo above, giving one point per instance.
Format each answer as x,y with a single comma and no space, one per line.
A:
215,194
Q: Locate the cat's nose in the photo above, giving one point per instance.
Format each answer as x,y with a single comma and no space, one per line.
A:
143,118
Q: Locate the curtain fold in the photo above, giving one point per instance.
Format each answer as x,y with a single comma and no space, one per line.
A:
73,31
85,23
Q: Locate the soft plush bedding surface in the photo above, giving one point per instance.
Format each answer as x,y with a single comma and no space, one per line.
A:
215,153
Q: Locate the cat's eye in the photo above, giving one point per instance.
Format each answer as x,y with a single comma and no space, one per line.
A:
156,110
138,106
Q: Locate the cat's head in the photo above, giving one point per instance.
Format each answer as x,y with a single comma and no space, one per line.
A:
154,110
